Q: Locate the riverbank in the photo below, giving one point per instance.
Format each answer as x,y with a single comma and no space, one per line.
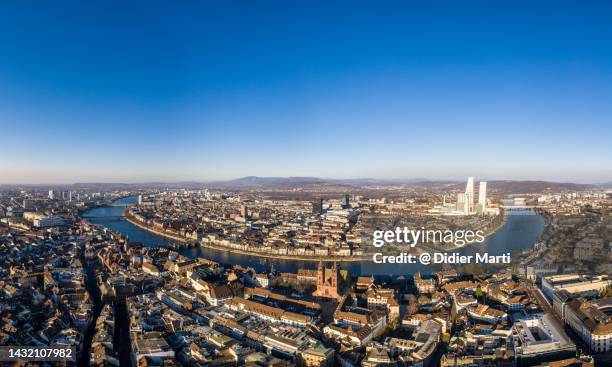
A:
135,222
211,246
487,233
242,252
517,233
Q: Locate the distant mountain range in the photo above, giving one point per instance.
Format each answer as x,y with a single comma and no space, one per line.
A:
536,186
501,185
256,182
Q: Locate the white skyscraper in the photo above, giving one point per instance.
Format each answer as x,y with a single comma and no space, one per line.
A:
51,195
469,196
460,202
482,196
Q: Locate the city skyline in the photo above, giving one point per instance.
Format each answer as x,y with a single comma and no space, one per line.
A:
113,92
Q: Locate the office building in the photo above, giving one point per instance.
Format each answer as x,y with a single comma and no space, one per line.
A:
482,197
461,205
346,202
575,284
29,204
591,320
469,196
539,339
244,211
465,202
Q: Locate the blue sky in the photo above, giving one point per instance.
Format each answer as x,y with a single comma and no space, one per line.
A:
110,91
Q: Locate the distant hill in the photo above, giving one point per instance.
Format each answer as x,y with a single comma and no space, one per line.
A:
536,186
270,182
508,186
130,186
342,185
255,181
383,182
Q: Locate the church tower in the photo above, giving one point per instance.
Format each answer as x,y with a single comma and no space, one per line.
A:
328,287
320,275
335,276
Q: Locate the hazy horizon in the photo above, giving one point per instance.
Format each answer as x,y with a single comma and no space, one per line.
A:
57,177
203,181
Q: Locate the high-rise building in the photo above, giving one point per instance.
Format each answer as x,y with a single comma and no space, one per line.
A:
29,204
69,195
244,211
466,202
51,195
317,206
460,202
139,199
482,197
469,196
346,202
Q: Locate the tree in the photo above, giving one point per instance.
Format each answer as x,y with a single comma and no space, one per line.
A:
395,323
606,292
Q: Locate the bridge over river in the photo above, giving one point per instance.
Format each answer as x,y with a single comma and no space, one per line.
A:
105,217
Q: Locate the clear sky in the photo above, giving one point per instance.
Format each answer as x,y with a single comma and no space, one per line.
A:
111,91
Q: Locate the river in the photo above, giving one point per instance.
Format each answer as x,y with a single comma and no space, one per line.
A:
517,233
